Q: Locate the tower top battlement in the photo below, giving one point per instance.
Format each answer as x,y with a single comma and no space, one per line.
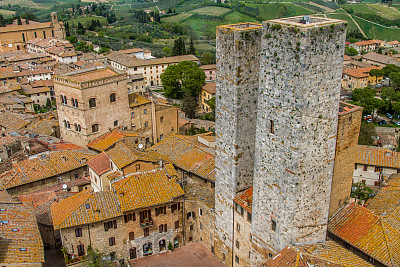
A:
241,26
305,21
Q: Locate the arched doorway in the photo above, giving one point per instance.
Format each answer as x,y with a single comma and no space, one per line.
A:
147,249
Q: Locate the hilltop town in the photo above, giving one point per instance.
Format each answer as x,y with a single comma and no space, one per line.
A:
285,152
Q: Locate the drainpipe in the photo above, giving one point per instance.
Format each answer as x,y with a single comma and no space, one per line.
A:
183,210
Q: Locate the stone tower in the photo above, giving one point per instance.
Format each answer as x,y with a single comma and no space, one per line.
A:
300,73
349,123
238,49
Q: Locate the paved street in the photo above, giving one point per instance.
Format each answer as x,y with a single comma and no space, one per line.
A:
193,255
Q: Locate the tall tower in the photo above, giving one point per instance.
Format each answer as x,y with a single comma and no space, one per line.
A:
300,73
238,53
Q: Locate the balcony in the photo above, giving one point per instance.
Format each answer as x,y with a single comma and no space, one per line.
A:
146,223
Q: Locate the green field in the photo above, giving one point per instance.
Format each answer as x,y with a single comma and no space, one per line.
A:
87,20
271,11
351,26
6,13
378,32
386,11
23,3
208,10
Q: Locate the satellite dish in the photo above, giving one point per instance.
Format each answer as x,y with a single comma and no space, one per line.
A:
140,146
64,186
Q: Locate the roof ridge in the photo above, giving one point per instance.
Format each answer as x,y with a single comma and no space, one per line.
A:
386,241
202,149
77,206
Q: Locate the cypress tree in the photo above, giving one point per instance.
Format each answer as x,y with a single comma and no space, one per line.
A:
192,50
183,48
19,21
176,51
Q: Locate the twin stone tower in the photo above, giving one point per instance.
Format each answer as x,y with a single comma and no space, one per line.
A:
278,90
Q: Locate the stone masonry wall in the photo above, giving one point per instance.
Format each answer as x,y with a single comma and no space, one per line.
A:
300,75
349,124
237,88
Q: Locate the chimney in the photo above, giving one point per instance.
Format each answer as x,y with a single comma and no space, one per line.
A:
390,54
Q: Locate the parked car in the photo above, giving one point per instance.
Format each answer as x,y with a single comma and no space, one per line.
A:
389,116
397,123
369,120
368,117
382,122
398,116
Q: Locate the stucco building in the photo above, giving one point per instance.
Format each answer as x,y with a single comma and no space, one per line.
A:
14,37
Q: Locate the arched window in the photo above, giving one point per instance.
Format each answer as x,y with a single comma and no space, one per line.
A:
23,37
76,126
131,236
112,97
162,244
116,123
65,123
68,125
79,128
95,128
92,102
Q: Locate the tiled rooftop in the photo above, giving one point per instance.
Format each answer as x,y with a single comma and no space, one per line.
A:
135,191
105,141
360,72
100,163
136,99
245,199
374,235
377,156
93,75
185,155
209,87
21,243
45,166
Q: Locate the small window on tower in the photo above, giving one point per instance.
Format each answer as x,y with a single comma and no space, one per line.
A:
271,127
273,225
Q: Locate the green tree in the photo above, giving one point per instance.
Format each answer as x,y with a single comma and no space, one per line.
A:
388,69
388,93
2,22
361,191
192,50
177,49
183,78
350,51
207,58
360,94
167,51
395,79
72,39
376,73
19,21
66,26
189,104
81,29
396,107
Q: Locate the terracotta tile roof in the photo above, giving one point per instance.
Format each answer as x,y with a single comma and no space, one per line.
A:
185,155
386,201
360,72
6,72
209,87
24,244
121,155
136,99
45,166
105,141
30,26
132,50
29,90
148,62
245,199
393,42
383,59
33,72
93,75
85,207
136,191
11,121
346,58
145,189
362,228
64,146
208,67
368,42
377,156
100,164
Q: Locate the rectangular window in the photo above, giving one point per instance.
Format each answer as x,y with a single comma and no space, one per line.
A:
191,227
132,114
190,238
365,168
249,216
201,226
78,232
273,225
111,241
176,225
238,227
161,228
145,111
146,232
378,169
200,212
237,244
271,127
237,259
355,166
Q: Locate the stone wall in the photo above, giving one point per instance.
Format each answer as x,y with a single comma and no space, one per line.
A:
242,239
349,124
237,51
105,114
300,76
